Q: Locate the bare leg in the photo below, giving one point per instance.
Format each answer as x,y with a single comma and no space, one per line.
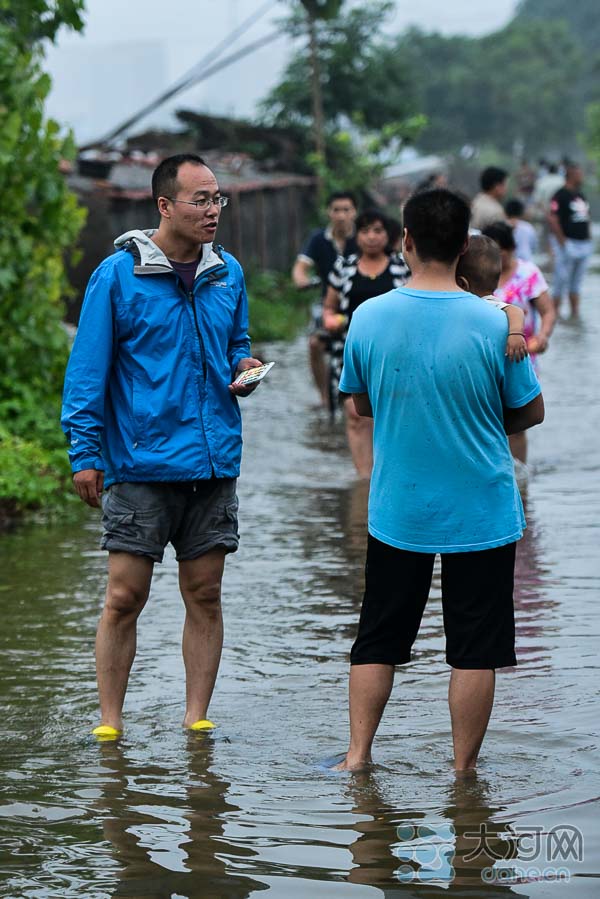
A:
471,697
359,431
574,303
518,446
129,578
370,688
200,583
319,367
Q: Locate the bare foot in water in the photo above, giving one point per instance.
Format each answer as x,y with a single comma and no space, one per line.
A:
353,763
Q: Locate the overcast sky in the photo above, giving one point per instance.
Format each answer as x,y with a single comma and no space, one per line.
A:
131,52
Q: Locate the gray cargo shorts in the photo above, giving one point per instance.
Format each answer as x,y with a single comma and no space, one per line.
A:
195,516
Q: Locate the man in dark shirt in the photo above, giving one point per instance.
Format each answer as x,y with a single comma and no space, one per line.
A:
569,221
317,256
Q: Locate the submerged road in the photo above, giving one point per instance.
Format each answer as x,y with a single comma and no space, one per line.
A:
252,809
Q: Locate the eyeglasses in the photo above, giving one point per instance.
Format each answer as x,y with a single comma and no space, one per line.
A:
204,203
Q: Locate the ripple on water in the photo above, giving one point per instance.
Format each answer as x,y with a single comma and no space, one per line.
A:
252,808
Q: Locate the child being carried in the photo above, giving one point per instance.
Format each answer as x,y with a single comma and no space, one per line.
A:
478,271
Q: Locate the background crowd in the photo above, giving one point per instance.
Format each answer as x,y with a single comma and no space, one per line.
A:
357,256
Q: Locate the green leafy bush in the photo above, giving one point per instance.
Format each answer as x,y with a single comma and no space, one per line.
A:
31,476
41,221
278,311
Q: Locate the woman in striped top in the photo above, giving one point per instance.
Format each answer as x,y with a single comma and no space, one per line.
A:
374,270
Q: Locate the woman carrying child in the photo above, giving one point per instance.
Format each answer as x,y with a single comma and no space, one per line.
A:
522,284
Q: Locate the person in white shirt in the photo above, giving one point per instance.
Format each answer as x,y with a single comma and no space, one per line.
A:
524,233
487,207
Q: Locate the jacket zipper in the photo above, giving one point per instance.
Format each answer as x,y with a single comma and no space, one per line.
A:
190,296
192,300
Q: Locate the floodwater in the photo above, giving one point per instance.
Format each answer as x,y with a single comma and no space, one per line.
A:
252,809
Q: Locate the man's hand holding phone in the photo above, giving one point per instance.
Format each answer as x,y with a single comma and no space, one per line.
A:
244,384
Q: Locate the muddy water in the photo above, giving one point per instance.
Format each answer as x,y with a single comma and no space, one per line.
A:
253,810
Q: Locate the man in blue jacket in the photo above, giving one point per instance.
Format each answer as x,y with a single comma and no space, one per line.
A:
154,426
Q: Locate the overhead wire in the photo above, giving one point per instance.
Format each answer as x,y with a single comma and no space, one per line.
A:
199,72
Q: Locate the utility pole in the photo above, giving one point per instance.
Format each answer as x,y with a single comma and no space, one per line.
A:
318,9
317,96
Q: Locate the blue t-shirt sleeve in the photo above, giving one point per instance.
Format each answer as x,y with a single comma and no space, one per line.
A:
352,379
520,384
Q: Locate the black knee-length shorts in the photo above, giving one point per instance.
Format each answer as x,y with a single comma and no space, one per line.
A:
477,603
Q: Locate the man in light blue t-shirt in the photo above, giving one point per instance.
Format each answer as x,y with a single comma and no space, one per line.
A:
427,362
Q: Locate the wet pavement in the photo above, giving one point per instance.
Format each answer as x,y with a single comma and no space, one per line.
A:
253,808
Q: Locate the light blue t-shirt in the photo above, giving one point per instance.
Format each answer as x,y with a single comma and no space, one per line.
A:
434,368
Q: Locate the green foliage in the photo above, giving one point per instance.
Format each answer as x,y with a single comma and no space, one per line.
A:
592,133
40,224
32,21
541,62
368,98
31,476
278,311
362,80
359,160
515,85
322,9
523,87
582,17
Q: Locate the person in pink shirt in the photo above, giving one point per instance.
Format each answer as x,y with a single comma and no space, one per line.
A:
523,284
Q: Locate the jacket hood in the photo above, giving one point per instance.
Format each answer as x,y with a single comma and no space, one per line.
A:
150,259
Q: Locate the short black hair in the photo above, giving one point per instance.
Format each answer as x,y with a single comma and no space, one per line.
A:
502,233
438,222
394,230
492,176
514,208
164,177
571,168
342,195
480,265
369,217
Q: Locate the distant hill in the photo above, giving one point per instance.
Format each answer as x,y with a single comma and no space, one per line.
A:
582,16
525,85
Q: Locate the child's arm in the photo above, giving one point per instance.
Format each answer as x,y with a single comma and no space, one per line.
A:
516,345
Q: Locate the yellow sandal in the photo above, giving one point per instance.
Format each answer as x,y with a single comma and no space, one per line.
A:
104,733
203,724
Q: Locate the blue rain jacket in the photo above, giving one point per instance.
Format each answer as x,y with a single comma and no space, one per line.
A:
146,389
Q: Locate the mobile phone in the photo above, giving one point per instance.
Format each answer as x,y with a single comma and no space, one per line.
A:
253,375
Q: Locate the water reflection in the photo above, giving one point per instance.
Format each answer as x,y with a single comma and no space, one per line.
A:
167,826
449,848
535,606
161,816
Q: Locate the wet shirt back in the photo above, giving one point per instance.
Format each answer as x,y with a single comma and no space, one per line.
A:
434,368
